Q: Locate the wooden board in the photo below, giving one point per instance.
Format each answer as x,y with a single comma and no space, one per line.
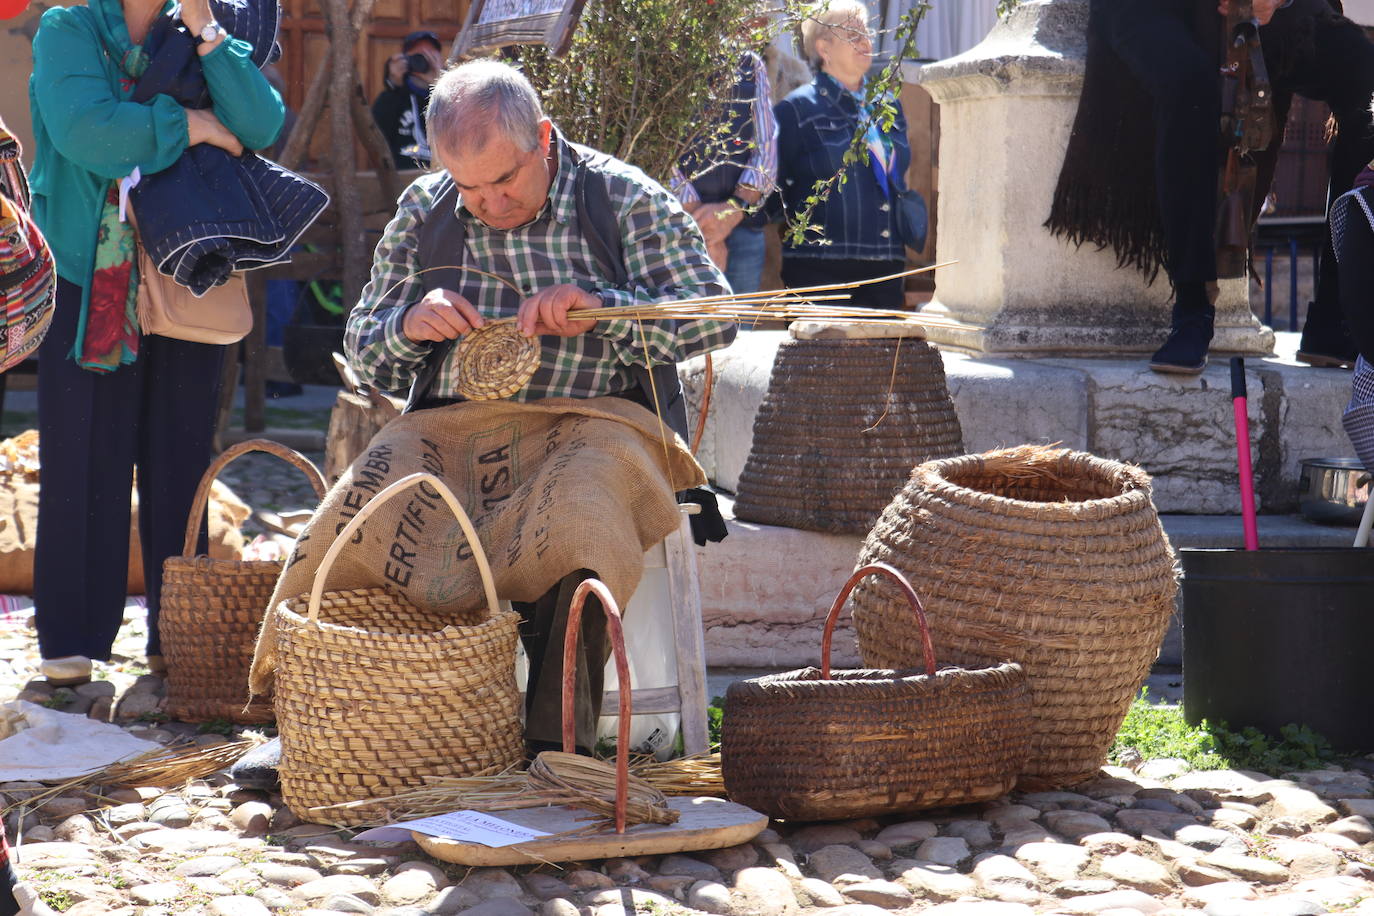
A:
706,823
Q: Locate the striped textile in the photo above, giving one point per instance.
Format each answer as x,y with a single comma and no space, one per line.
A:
1359,415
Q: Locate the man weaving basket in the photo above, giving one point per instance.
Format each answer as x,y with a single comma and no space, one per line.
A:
574,475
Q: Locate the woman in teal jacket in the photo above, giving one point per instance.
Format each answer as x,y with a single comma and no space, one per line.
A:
109,397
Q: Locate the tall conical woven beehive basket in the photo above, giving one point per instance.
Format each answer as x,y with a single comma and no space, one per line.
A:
1046,557
842,425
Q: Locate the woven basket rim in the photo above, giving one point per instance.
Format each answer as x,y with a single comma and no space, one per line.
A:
297,619
879,676
935,476
203,561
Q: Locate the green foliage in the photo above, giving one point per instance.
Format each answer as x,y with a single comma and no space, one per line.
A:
642,76
1160,731
715,714
216,727
60,700
1004,7
57,898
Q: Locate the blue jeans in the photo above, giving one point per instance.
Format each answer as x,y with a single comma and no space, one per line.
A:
744,270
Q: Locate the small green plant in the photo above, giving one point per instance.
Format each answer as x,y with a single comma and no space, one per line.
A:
1161,731
216,727
156,717
57,898
1004,7
60,700
715,715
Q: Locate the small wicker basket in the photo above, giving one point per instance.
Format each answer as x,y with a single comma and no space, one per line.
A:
375,695
806,745
212,610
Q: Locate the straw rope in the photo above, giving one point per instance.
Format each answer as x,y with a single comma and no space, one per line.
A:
495,361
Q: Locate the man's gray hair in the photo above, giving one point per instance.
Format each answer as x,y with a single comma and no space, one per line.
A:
479,100
827,21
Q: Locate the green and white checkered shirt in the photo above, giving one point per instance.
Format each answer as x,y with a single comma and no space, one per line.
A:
665,259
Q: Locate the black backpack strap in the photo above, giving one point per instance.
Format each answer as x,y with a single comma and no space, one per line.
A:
439,236
600,225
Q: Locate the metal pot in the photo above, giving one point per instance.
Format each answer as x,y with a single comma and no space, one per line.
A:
1333,491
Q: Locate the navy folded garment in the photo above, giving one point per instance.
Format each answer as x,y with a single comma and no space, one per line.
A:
210,213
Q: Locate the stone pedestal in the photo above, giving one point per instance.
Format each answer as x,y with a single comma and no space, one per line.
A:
1006,109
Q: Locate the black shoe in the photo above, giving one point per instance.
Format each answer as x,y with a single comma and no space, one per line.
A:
1185,350
257,769
1325,343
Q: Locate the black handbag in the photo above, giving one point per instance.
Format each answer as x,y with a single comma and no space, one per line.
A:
913,219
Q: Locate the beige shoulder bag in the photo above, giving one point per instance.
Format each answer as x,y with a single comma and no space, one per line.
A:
168,309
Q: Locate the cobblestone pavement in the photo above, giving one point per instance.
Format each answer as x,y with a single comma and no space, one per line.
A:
1157,841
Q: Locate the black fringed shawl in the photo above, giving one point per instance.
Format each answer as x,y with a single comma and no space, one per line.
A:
1106,195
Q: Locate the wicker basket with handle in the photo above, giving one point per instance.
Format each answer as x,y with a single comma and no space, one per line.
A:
818,745
376,694
212,609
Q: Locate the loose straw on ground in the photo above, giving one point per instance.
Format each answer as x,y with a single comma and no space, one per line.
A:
582,779
162,768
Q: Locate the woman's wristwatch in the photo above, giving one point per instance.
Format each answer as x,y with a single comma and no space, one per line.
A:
211,31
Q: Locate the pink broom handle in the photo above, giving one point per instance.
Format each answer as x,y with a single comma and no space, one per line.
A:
1247,476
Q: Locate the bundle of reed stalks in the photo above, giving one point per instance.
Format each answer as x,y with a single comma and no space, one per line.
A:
163,767
553,778
697,775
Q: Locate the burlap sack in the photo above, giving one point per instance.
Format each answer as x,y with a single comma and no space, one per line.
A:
19,478
553,487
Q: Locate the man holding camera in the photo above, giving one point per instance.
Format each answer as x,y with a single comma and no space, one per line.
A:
399,109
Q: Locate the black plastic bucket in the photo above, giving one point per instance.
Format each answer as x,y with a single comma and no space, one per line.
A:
1278,636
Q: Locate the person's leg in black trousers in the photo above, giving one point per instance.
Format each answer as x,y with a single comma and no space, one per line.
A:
543,627
1338,70
88,429
1155,40
181,382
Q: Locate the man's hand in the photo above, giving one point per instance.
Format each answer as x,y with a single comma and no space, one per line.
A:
717,221
441,315
548,312
720,254
1263,9
396,69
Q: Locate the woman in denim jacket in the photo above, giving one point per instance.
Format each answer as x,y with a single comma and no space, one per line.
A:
859,237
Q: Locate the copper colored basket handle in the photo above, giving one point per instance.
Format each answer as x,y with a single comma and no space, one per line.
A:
441,491
912,598
622,670
202,497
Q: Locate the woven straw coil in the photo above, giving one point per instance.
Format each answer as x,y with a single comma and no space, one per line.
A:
1052,558
841,427
212,611
495,361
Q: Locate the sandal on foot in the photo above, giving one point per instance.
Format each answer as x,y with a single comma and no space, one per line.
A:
66,671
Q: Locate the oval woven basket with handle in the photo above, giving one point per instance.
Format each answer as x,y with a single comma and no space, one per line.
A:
1052,558
212,610
375,695
818,745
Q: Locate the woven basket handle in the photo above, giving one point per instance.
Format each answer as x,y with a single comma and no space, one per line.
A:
912,598
622,670
202,497
441,491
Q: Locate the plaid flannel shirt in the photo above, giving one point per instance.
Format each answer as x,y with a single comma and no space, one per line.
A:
665,258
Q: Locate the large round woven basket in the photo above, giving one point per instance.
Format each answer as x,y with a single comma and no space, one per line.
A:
841,427
212,610
817,745
374,694
1051,558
